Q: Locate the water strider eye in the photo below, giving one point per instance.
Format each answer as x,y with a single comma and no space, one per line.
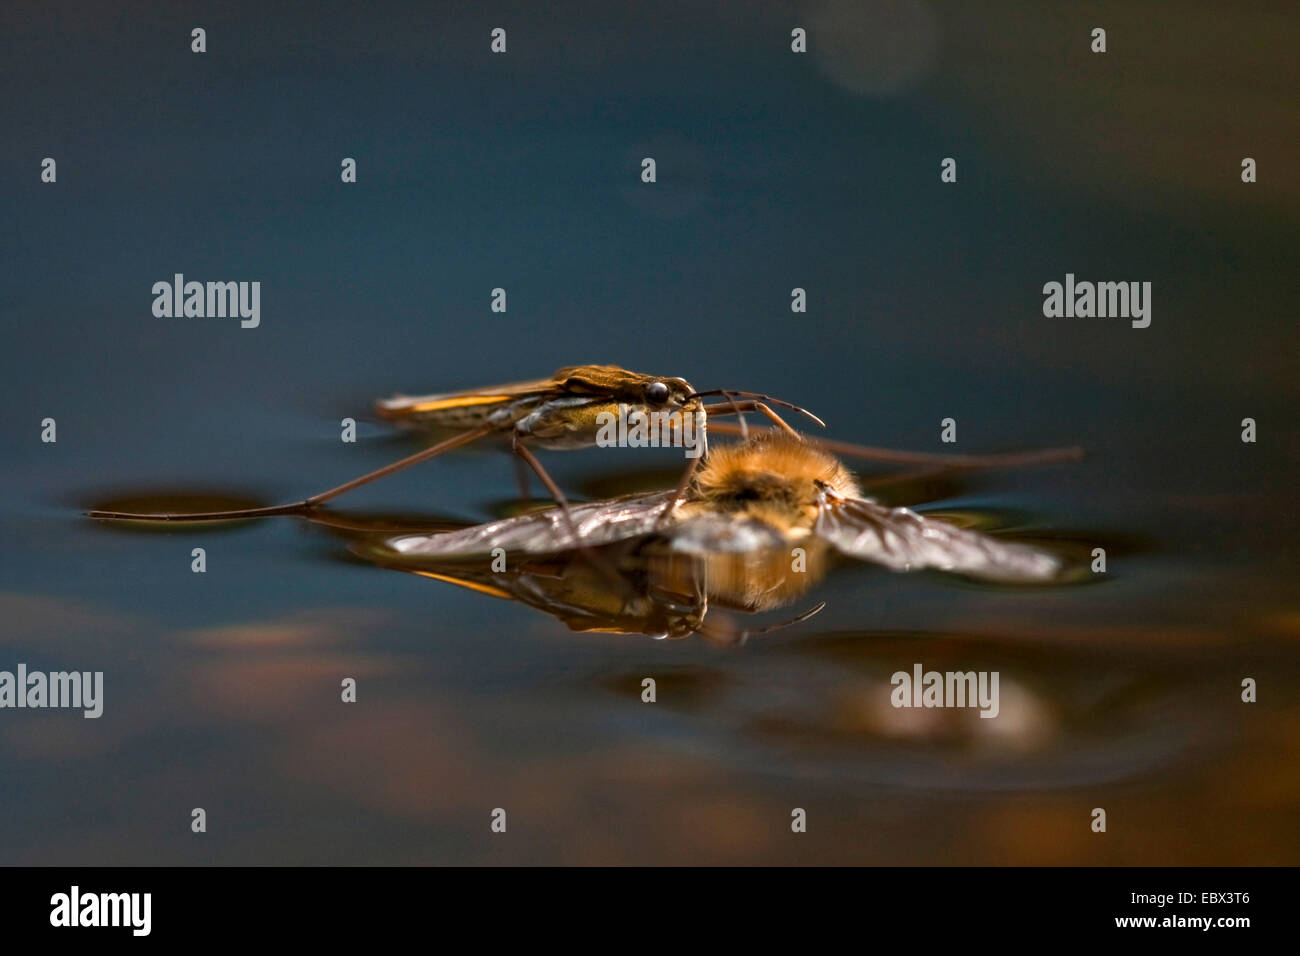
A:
657,392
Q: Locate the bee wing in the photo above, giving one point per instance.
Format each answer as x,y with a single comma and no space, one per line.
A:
903,540
543,532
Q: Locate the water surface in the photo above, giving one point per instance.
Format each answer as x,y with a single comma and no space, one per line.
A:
776,171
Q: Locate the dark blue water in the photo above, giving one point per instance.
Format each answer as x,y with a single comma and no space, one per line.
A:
521,171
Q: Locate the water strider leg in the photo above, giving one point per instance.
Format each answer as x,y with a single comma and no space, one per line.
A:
522,450
679,492
597,561
740,415
780,422
741,428
730,637
307,504
731,394
521,477
1008,460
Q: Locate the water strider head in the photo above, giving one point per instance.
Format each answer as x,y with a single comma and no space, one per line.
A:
652,392
589,399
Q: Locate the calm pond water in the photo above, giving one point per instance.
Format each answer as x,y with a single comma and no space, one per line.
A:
775,171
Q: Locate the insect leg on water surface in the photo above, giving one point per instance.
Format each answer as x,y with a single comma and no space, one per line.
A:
1015,459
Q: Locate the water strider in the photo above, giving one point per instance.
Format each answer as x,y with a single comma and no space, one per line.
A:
572,409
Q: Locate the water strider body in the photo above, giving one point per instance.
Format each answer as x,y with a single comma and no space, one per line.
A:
564,411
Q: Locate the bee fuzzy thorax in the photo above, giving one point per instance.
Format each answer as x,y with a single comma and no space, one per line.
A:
774,469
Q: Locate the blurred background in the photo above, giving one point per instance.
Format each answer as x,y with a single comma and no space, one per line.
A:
775,171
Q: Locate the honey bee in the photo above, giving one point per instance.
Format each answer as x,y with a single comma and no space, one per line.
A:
745,512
